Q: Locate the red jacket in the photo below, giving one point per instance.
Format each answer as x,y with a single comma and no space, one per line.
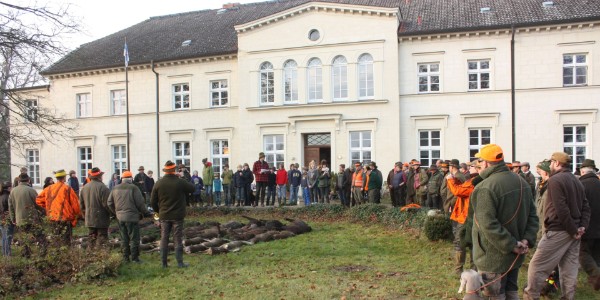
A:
282,177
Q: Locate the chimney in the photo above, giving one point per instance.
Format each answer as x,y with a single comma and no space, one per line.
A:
230,5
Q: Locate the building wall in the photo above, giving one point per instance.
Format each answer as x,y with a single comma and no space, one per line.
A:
543,105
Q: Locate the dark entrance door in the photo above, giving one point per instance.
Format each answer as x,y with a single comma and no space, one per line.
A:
317,146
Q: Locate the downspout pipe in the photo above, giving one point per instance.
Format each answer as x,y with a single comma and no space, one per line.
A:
512,93
157,123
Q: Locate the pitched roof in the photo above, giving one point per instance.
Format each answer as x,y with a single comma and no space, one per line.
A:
440,16
160,38
212,33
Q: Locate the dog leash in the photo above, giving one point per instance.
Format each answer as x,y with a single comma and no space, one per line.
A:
502,276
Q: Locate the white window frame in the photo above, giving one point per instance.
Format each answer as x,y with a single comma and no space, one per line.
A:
118,155
339,78
118,102
274,146
427,73
31,114
430,147
314,79
364,146
266,84
366,83
33,166
180,155
575,66
220,157
481,140
572,147
222,93
84,105
84,161
479,72
290,82
184,91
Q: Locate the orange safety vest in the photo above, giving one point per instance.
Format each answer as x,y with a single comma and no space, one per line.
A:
357,179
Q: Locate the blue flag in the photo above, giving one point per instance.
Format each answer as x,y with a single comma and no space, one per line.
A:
126,55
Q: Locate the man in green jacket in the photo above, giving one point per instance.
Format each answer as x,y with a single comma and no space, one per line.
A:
25,214
95,209
128,204
169,200
375,183
505,224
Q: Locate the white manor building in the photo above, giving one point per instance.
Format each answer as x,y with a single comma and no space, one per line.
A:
341,80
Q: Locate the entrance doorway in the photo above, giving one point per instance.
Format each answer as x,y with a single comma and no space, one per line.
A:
317,146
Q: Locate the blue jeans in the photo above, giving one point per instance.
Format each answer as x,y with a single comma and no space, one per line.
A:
271,191
294,194
7,235
306,196
218,198
281,193
241,195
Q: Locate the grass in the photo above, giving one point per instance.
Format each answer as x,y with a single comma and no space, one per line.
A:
337,260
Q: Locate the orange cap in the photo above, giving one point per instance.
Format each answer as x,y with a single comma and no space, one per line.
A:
126,174
490,152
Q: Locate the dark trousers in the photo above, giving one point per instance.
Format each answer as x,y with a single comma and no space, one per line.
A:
166,227
98,237
314,194
261,188
433,201
130,240
271,193
62,232
508,283
324,191
374,196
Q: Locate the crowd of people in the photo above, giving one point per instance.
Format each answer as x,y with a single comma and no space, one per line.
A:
498,210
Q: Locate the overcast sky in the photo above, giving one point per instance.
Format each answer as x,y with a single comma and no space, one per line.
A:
104,17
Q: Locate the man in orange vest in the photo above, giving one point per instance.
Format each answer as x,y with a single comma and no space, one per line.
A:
358,184
62,207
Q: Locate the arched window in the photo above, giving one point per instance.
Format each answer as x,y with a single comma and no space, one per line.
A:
365,77
339,78
290,81
315,80
267,81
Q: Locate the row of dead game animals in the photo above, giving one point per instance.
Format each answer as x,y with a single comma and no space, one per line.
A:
215,238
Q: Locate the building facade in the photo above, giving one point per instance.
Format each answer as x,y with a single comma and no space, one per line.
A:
343,81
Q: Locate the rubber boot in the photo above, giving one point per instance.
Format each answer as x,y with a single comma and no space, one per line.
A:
163,257
179,257
459,261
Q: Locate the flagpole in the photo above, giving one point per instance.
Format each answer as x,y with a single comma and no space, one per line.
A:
126,54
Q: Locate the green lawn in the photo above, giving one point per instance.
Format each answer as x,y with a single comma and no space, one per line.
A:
335,261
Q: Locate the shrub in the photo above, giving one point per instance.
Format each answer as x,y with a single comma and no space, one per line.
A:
438,227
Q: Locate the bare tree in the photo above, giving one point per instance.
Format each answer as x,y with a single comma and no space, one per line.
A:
31,37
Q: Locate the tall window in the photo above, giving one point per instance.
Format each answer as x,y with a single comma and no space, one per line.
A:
340,78
274,149
219,93
181,154
315,80
479,74
365,77
575,143
181,96
478,138
574,69
119,158
429,77
84,105
85,162
31,115
118,102
360,147
290,81
429,146
33,165
220,154
267,83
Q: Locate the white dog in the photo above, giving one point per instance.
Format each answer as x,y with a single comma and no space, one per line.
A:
472,282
